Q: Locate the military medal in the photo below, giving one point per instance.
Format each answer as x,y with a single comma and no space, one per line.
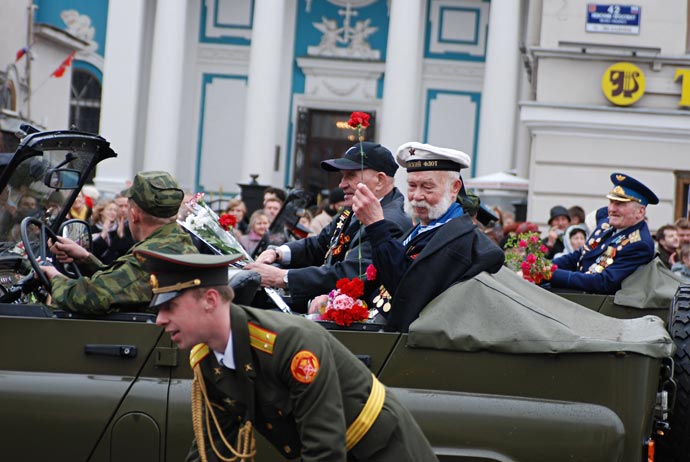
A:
382,301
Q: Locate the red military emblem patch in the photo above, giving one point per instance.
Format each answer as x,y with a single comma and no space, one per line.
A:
304,366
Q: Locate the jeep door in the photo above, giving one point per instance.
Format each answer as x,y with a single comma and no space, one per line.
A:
80,389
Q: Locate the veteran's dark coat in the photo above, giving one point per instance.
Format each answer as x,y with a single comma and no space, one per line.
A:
600,266
312,273
451,253
304,420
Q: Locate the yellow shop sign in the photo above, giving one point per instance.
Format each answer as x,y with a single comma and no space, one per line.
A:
624,83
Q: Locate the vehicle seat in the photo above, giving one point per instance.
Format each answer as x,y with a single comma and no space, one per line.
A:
245,284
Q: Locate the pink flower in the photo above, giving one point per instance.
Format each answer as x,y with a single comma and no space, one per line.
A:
543,249
522,244
343,302
554,267
531,258
534,238
525,267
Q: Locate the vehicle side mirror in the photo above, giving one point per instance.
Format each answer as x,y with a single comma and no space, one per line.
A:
62,178
78,231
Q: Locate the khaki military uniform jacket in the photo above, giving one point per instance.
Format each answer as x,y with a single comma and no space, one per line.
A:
302,389
123,285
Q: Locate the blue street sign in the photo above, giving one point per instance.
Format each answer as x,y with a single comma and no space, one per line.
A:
613,19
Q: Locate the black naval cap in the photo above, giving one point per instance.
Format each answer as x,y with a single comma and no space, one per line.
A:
172,274
157,193
627,189
376,157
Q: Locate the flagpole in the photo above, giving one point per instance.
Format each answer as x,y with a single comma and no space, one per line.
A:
29,41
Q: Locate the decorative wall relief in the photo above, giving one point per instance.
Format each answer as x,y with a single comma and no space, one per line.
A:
345,36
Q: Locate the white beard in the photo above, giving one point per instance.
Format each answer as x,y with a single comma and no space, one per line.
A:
434,212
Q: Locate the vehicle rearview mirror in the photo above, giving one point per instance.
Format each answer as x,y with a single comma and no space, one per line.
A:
62,178
78,231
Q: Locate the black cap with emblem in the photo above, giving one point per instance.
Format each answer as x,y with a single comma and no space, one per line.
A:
172,274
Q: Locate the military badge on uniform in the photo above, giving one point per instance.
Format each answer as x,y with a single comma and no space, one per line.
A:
304,366
382,301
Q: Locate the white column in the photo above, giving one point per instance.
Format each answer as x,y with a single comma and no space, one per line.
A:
264,83
400,111
120,93
165,87
497,119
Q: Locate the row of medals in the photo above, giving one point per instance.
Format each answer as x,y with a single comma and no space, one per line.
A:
607,258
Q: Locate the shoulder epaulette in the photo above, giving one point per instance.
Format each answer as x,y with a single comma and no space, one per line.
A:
261,339
198,353
635,236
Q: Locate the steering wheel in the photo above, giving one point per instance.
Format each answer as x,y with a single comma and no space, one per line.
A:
44,232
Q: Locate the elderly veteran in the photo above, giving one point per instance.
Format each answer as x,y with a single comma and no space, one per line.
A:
444,248
284,376
154,199
312,266
620,243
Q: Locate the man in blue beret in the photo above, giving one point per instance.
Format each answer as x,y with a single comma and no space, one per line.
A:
617,247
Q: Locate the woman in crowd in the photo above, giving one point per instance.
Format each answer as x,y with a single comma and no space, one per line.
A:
237,208
111,238
258,225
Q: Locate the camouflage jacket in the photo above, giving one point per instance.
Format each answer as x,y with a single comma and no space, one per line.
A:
123,285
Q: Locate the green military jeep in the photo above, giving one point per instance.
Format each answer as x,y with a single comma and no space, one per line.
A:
495,369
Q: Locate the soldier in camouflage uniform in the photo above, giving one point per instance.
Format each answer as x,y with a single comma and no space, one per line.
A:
283,375
154,200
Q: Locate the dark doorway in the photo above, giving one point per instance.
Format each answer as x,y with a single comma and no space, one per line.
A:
321,135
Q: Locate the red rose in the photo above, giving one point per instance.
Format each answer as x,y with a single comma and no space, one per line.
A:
227,221
371,272
359,119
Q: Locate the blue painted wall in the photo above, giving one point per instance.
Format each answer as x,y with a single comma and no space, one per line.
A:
48,12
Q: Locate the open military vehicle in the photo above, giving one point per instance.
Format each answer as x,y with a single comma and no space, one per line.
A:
495,369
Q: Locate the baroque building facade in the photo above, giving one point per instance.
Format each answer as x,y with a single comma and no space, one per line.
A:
222,91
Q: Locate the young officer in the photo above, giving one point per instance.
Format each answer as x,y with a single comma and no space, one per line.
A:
284,375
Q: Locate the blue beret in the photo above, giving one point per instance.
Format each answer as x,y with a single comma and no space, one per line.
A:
627,189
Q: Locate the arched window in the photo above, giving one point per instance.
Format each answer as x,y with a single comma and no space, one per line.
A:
8,96
85,101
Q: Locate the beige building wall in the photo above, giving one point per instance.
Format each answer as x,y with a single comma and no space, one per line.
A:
578,138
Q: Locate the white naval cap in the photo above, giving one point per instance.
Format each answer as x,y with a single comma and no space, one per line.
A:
416,157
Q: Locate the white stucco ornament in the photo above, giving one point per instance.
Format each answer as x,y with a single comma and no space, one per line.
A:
346,40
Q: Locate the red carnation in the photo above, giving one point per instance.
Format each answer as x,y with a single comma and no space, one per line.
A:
227,221
371,272
353,288
359,120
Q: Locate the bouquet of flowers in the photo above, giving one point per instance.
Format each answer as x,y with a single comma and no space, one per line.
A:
344,306
214,231
526,254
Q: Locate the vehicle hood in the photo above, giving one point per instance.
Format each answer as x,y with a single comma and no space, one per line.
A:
504,313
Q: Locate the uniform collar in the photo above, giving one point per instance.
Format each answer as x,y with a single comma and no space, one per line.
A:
227,358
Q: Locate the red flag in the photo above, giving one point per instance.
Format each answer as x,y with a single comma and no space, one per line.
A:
60,71
21,53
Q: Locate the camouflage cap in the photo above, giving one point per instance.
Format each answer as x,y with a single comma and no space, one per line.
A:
156,193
